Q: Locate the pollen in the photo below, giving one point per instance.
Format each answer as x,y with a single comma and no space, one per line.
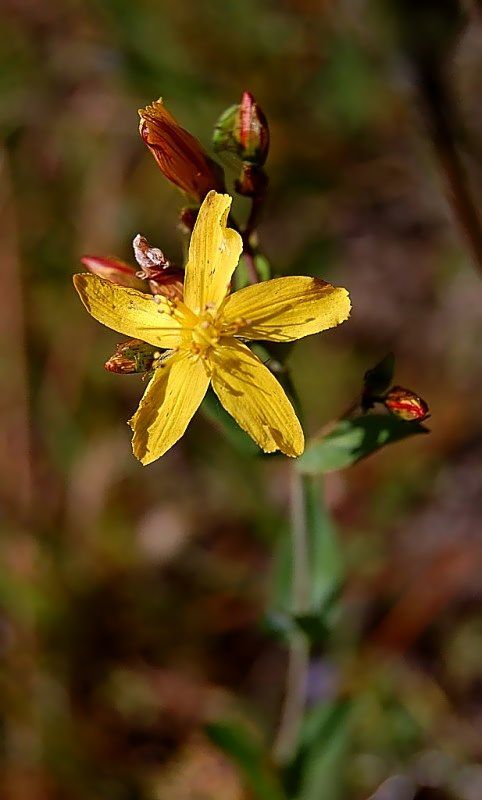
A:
205,335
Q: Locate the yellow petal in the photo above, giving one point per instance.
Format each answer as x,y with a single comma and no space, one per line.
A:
168,405
284,309
255,399
214,252
131,312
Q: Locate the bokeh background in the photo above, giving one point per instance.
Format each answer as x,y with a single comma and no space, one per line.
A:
133,600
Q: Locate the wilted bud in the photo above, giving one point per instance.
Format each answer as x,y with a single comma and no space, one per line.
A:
114,270
179,155
132,356
243,131
163,278
406,404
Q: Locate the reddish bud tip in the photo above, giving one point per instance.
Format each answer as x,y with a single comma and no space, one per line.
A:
243,130
406,404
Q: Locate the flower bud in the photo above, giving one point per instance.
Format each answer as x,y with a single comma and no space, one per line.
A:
114,270
243,131
405,404
132,356
178,154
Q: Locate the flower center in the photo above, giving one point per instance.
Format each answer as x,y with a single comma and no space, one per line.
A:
205,335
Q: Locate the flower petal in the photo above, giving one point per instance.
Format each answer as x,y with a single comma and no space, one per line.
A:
214,252
133,313
284,309
255,399
168,405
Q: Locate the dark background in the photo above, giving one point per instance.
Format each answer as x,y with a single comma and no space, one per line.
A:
131,597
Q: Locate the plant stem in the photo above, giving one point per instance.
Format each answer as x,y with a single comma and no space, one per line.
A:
249,234
250,265
299,651
441,114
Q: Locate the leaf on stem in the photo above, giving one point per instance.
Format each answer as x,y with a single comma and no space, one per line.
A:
249,756
354,439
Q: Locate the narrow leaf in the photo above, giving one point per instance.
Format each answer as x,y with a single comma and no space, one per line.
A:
248,755
354,439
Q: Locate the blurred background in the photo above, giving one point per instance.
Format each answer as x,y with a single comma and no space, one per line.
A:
134,600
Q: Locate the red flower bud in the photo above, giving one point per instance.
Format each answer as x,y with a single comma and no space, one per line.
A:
243,130
130,357
406,404
114,270
179,155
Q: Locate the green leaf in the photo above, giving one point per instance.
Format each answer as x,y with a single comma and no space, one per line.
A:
325,739
263,267
354,439
247,753
325,572
215,413
325,557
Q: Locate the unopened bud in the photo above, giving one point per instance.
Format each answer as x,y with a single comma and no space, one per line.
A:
406,404
179,155
114,270
132,356
243,131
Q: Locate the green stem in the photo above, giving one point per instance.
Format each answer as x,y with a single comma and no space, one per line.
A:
299,651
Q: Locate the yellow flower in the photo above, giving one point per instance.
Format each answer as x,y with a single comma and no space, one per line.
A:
202,335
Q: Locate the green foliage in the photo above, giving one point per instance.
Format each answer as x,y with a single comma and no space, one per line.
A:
354,439
249,756
322,756
325,572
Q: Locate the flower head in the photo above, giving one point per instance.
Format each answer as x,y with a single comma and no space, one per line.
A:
205,335
178,154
